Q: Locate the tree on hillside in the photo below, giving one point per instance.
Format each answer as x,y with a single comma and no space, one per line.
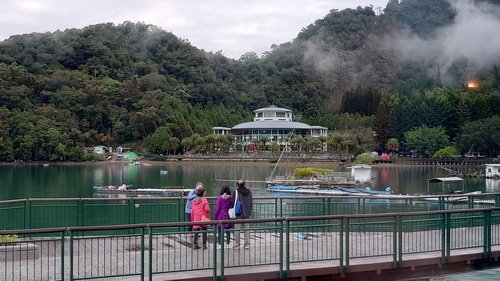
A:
385,126
160,141
426,140
481,135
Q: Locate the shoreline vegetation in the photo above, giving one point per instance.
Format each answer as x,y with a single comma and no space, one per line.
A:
319,160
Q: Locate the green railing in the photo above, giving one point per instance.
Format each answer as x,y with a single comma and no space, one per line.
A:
279,244
62,212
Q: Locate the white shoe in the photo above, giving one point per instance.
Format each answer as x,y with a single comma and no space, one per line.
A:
218,247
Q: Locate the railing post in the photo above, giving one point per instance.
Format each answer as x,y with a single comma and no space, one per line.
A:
497,200
395,243
281,273
443,238
400,240
287,249
131,209
181,204
276,207
341,243
346,267
142,253
214,247
281,207
487,234
27,214
328,207
222,250
442,206
71,255
150,253
470,202
448,237
62,255
323,200
79,212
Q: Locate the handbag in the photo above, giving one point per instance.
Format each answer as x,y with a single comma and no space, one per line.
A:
232,211
238,208
232,214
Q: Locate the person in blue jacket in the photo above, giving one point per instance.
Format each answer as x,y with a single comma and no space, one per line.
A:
189,203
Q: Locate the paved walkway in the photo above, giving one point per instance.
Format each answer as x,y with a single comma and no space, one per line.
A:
121,255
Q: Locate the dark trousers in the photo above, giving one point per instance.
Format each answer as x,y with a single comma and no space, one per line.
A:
220,232
203,234
188,218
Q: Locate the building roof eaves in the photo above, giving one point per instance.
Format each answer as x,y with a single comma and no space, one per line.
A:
271,125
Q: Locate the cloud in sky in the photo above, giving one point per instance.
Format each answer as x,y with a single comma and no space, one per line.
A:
233,26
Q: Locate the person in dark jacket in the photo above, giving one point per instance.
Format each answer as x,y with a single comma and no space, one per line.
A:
245,197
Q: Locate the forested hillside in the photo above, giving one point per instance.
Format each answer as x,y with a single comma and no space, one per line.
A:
138,85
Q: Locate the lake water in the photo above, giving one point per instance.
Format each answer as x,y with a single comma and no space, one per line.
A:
77,180
480,275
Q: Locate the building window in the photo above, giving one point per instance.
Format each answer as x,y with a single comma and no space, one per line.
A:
259,114
280,114
269,114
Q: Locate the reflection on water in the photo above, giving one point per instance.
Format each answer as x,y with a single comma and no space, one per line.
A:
492,185
77,180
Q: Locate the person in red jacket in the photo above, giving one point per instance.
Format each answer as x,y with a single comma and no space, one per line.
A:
200,211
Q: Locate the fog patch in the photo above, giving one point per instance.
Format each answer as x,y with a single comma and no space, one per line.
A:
471,43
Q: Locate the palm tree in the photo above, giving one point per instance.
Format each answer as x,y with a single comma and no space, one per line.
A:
393,144
210,142
187,144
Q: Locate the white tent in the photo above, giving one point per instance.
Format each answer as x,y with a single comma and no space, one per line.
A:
444,181
361,173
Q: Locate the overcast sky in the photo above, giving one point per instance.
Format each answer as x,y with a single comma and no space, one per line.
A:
232,26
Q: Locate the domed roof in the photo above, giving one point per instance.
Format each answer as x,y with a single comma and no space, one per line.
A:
272,125
272,108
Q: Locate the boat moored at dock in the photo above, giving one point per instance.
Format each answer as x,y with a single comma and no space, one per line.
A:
165,192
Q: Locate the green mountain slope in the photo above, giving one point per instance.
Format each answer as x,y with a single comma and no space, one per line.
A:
135,83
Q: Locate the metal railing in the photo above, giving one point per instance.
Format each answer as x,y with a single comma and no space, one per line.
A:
279,244
62,212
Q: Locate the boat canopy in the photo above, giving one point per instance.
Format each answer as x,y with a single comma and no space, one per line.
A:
446,179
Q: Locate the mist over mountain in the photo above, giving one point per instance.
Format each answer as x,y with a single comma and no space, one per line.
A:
469,42
124,83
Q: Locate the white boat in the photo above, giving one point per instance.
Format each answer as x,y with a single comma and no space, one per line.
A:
167,192
462,198
313,191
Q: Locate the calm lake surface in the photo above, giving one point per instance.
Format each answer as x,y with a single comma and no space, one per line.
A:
77,180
